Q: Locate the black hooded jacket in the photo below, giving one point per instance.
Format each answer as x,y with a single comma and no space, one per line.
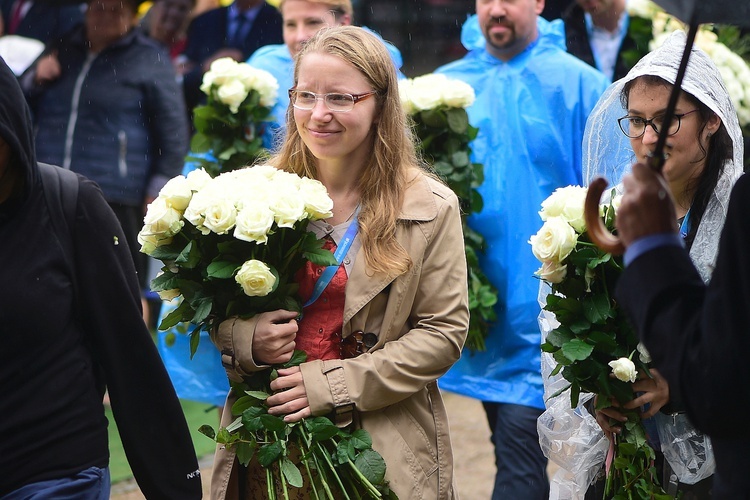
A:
57,353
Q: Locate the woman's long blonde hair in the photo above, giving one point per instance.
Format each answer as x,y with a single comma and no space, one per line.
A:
387,173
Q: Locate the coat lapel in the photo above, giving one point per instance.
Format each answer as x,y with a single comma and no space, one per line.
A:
363,284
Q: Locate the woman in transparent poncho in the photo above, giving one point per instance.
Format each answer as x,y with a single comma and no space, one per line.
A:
704,159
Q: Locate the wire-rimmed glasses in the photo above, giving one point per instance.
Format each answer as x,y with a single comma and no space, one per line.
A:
336,102
635,126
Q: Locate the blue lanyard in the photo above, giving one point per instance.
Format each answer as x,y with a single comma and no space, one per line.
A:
341,250
685,226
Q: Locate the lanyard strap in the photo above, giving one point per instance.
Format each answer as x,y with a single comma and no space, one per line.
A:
341,250
685,226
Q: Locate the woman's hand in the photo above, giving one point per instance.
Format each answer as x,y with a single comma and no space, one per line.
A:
273,341
290,396
606,416
655,391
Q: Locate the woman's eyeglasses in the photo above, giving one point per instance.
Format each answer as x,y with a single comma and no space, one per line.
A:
635,126
338,103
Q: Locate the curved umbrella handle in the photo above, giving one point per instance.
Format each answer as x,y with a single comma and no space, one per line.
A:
597,230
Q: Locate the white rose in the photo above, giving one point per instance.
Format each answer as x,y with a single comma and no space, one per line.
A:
162,219
177,193
220,216
643,353
168,295
318,204
232,93
254,222
256,278
223,70
195,213
150,241
458,94
554,241
288,208
566,202
552,272
624,369
426,98
197,179
404,90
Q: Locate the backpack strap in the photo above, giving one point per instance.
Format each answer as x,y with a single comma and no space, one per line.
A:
60,188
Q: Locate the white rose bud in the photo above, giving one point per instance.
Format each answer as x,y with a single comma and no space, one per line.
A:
223,70
566,202
150,242
624,369
254,222
643,353
162,219
426,98
554,241
197,179
220,216
318,204
288,208
256,278
232,94
458,94
177,193
552,272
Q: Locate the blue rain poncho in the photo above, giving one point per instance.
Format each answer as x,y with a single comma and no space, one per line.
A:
531,112
277,60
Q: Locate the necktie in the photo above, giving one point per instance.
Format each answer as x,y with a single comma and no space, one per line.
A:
237,39
16,16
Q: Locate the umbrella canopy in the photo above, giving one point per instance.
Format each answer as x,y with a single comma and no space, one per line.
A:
736,12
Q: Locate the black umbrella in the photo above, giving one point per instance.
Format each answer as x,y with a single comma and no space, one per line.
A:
695,12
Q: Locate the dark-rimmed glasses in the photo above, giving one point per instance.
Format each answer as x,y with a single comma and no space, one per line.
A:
336,102
635,126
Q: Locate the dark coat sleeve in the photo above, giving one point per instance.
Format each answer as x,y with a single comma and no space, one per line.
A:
148,414
699,336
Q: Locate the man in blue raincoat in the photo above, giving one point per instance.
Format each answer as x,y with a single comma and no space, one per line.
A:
531,108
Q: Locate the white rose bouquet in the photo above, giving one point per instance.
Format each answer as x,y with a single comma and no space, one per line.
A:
594,347
231,246
230,125
437,105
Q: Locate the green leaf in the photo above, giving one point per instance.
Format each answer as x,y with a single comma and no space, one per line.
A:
460,159
458,120
298,357
221,269
559,337
269,453
195,338
597,309
320,256
165,281
361,439
176,316
203,310
208,431
272,422
189,257
577,350
434,118
321,428
291,473
371,465
245,451
251,418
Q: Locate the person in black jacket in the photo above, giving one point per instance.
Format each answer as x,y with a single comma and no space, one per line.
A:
235,31
71,327
43,20
697,335
596,31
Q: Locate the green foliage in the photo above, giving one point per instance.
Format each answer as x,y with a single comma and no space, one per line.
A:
338,463
234,140
444,136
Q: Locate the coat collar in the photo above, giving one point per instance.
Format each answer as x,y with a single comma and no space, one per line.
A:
419,203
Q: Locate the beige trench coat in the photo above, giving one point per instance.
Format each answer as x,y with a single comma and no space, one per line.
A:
421,319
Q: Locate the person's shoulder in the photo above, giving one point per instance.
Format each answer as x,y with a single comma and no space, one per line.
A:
270,53
268,11
555,59
210,16
426,185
